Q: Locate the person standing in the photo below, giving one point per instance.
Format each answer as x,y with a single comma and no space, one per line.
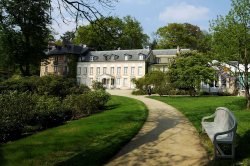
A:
149,90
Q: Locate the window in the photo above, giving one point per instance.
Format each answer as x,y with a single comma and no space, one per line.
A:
125,82
85,70
91,58
90,81
159,60
55,68
66,58
84,81
126,57
79,59
132,70
112,70
46,69
79,70
140,57
78,81
65,69
165,69
56,58
140,70
98,70
118,70
91,70
104,70
126,70
169,59
98,79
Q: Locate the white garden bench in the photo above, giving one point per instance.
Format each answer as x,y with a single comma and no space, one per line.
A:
222,130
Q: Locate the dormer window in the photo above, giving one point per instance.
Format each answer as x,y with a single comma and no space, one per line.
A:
126,57
92,58
159,60
140,57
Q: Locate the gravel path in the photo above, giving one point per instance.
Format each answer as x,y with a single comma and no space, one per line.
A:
167,138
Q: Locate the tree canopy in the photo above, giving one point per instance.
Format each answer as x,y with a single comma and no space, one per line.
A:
126,34
188,69
68,37
184,35
231,40
24,32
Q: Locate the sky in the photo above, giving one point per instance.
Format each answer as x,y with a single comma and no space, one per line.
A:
153,14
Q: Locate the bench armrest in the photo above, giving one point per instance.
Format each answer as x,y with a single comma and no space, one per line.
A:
208,117
224,132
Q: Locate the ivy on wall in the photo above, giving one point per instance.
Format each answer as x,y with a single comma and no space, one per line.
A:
72,65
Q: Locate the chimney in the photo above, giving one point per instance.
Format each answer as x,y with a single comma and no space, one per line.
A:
178,49
148,48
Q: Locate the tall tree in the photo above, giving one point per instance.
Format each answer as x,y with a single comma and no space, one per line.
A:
205,42
231,40
68,37
23,32
121,35
188,69
175,34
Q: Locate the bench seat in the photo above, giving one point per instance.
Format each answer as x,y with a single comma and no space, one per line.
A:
221,131
212,128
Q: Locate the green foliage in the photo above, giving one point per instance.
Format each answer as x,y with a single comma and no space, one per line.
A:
231,40
67,37
88,103
140,92
184,35
140,83
15,110
201,93
72,65
126,33
188,69
51,85
98,85
24,34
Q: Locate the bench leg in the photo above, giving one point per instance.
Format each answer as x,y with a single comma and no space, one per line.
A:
233,151
215,153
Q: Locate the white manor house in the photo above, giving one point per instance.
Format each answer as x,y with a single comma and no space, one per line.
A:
114,69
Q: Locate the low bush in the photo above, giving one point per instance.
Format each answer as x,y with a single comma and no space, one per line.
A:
97,85
201,93
87,103
139,92
16,112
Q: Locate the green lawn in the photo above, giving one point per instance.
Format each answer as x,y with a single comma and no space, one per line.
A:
195,108
89,141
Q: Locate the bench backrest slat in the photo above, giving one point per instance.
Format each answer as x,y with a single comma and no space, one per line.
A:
225,120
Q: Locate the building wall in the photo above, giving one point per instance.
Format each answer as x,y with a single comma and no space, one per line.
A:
61,63
122,76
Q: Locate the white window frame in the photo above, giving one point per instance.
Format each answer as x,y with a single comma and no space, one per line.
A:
125,70
55,68
78,70
90,81
46,69
125,82
132,70
140,57
98,70
104,70
140,70
126,57
85,70
84,81
91,70
78,80
112,69
118,70
91,58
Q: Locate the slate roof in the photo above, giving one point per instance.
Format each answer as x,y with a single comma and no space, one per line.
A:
119,55
168,51
67,49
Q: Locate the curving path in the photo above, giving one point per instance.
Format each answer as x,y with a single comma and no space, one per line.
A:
167,138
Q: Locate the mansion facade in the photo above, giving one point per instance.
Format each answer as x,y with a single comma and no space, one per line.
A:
114,69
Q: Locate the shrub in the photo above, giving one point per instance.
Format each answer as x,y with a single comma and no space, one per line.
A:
16,113
203,93
87,103
97,85
50,112
139,92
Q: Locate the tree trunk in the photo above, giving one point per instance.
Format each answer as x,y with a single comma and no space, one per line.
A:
22,71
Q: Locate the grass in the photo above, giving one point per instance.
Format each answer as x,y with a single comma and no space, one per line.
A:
195,108
89,141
